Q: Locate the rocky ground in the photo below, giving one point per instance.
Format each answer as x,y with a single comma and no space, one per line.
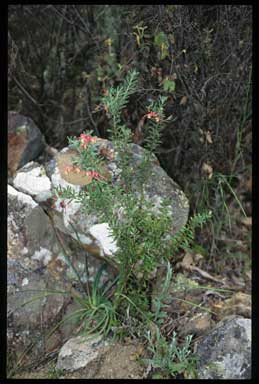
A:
210,298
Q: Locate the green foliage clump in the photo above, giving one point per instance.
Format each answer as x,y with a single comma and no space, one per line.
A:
143,237
169,358
97,314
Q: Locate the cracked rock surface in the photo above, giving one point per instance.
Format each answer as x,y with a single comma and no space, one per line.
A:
225,352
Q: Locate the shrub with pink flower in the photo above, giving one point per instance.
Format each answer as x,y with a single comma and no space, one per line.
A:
86,140
153,115
94,175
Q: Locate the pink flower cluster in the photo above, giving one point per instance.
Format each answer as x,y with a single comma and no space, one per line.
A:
86,140
72,168
151,115
92,174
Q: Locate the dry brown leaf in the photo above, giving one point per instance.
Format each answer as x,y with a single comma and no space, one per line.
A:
197,325
187,260
207,169
205,274
208,137
247,221
249,184
183,100
136,355
238,304
198,257
187,264
127,340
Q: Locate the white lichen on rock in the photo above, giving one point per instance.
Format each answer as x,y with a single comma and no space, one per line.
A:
25,199
83,238
78,352
225,351
43,255
25,281
33,182
102,233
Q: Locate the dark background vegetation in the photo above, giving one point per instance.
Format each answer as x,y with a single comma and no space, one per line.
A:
62,58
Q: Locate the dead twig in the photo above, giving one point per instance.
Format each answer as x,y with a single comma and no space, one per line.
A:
204,274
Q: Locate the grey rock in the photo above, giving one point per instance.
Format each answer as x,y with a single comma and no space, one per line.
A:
225,352
33,267
160,186
32,180
78,352
25,141
95,235
96,358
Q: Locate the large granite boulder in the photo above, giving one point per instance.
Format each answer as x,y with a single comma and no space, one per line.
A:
94,235
88,231
225,352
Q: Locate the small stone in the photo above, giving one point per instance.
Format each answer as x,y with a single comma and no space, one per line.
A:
33,182
25,281
102,233
78,352
43,255
22,197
